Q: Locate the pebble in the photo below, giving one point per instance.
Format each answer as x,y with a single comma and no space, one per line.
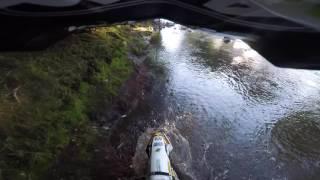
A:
106,127
123,116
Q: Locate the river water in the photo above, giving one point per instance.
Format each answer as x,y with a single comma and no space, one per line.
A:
230,113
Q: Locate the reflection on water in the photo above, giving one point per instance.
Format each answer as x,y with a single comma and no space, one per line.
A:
239,102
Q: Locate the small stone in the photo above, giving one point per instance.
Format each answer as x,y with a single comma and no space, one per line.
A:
120,145
123,116
106,128
225,172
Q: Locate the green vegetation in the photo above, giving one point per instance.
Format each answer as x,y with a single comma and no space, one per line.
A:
138,48
46,99
155,38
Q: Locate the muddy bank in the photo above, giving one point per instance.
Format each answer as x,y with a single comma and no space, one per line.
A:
106,155
48,99
113,157
115,145
118,132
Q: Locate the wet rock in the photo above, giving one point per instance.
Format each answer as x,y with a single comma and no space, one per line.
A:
298,136
106,128
140,158
181,158
123,116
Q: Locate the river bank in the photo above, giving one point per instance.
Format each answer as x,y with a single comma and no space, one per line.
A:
59,106
117,140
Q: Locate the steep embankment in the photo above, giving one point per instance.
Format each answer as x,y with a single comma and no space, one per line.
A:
51,101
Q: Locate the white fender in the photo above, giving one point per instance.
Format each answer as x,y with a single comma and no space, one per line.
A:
158,151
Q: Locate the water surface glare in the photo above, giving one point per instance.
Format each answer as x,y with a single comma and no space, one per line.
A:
246,118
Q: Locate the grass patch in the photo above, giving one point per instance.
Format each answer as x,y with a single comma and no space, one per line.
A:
46,98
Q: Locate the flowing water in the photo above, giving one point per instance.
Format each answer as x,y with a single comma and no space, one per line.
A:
230,113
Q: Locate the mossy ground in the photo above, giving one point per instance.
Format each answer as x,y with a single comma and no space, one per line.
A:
46,99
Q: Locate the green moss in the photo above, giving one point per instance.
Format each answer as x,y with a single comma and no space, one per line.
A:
45,98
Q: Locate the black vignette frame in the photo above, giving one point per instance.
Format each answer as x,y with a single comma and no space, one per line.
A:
285,33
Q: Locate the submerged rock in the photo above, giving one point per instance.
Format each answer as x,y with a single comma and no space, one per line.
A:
298,136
